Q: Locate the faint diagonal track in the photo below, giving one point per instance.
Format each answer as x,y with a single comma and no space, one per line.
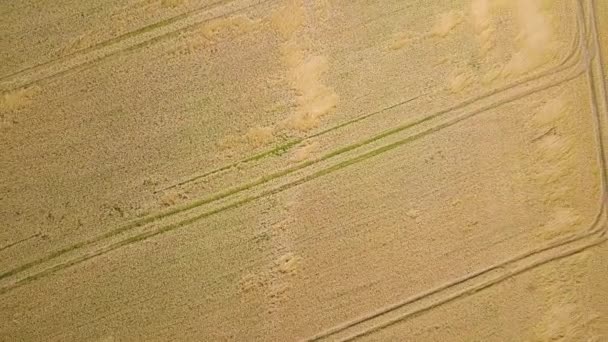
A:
126,42
113,41
285,147
482,281
15,243
141,37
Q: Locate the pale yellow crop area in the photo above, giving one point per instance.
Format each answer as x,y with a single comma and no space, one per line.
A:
303,170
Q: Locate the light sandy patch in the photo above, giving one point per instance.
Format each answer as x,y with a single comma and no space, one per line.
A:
536,38
445,23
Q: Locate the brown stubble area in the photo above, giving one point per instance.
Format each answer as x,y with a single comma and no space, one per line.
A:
303,170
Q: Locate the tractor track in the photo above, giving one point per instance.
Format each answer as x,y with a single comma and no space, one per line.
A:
105,243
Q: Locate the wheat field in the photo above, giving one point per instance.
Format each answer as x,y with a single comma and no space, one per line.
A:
303,170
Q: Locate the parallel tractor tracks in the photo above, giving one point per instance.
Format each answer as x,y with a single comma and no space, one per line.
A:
583,59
